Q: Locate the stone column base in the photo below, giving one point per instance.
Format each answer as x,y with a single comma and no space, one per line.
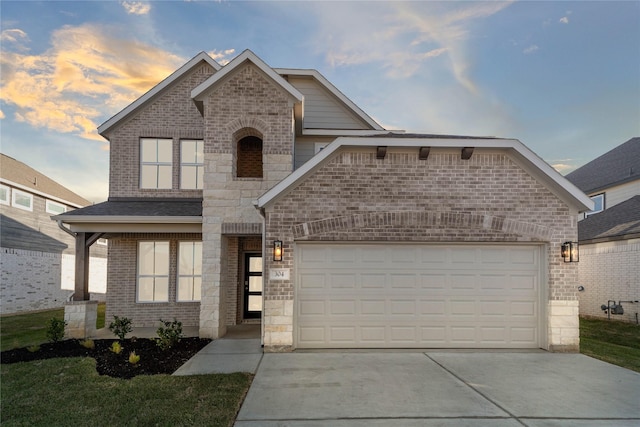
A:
81,319
564,326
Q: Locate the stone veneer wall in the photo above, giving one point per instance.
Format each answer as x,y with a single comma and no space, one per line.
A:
356,197
122,277
610,271
245,103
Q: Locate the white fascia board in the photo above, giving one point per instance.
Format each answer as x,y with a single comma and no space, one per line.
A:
580,199
202,56
41,194
201,90
334,90
346,132
89,227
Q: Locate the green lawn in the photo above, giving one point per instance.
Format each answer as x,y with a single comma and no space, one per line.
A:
69,392
23,330
611,341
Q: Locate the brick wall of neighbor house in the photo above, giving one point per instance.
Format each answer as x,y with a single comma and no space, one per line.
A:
246,103
35,253
173,115
489,198
610,271
122,271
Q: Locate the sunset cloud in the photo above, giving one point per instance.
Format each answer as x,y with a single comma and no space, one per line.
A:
83,78
222,56
136,7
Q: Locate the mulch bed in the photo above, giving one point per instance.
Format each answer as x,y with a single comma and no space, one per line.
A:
153,360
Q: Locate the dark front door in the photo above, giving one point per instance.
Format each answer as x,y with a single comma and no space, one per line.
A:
252,286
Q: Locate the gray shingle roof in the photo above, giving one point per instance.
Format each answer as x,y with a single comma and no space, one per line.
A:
18,172
142,208
620,165
621,221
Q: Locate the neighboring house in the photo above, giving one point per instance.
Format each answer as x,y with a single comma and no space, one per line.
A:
251,194
37,258
609,267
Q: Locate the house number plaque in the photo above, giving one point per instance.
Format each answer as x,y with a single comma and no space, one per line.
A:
279,274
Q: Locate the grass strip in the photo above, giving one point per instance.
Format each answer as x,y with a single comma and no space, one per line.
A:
69,392
611,341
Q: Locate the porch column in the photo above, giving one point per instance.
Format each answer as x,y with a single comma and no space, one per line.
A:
82,268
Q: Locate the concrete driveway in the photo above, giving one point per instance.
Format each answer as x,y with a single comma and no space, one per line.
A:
497,389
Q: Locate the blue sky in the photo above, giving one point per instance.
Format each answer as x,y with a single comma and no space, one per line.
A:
562,77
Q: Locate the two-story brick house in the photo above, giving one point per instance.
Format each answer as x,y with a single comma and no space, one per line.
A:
246,193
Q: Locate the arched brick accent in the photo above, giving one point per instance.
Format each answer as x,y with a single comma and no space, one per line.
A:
420,219
247,126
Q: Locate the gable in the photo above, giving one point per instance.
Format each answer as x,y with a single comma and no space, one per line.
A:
322,110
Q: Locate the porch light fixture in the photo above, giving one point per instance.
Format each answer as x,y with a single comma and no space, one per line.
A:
466,153
277,250
381,152
570,252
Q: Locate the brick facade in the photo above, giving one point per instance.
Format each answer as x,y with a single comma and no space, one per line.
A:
610,271
245,104
122,277
357,197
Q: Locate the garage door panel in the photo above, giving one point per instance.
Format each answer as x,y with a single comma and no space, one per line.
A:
447,296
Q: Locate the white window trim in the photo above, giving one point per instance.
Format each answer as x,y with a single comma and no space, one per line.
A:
199,166
50,203
15,193
138,275
156,164
180,275
601,195
6,201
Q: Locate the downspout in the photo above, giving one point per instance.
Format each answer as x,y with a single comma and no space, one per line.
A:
65,229
264,265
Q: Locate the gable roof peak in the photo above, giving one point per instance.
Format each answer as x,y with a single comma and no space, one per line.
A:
247,55
151,93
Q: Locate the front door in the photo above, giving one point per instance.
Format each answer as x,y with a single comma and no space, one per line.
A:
252,286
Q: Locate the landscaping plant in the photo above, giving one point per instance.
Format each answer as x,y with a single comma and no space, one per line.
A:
120,326
169,334
133,358
55,329
88,343
116,347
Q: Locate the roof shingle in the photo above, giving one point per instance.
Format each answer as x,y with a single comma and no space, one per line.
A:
621,221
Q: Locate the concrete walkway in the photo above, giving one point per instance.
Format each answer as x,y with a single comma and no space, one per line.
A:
238,351
503,389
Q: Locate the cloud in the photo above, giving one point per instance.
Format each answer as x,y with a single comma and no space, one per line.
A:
562,167
84,77
564,20
221,56
2,116
16,38
136,7
401,37
530,49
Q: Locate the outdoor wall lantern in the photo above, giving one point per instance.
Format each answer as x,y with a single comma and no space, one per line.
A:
570,252
277,250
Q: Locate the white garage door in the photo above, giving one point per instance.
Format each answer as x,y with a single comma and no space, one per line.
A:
417,296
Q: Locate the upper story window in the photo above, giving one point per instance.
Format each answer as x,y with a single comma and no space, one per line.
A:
5,193
249,157
153,272
22,200
598,201
191,164
156,166
55,208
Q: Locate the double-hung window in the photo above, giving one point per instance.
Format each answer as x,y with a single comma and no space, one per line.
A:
189,271
153,271
191,164
156,164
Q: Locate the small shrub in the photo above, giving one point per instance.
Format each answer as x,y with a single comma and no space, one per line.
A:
169,334
33,348
55,329
133,358
120,327
116,347
88,343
